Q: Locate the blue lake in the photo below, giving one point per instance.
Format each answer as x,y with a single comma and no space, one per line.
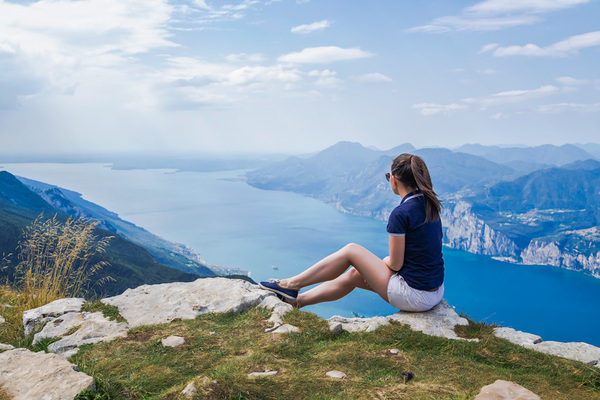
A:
277,234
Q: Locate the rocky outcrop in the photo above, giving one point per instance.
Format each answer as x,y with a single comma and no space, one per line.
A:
465,231
76,329
35,319
578,351
439,321
156,304
25,375
550,253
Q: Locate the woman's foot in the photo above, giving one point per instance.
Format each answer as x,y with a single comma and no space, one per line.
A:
273,286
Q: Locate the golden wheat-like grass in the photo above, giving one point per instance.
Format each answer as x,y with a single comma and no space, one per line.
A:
54,263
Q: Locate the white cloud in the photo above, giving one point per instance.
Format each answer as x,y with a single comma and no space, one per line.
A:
432,108
530,6
315,26
569,46
325,78
569,107
374,77
325,54
63,44
513,96
449,24
492,15
243,57
569,81
488,47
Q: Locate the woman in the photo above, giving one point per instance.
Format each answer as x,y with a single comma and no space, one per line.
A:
411,278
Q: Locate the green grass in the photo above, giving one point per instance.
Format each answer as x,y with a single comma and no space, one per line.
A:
220,351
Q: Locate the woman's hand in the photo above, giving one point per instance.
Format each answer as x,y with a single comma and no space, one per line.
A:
395,260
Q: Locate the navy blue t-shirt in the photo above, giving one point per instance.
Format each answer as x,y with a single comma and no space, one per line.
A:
423,266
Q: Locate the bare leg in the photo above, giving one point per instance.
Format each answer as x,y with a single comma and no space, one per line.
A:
369,272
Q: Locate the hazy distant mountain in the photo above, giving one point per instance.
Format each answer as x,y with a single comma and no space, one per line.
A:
533,213
592,148
130,264
542,155
543,204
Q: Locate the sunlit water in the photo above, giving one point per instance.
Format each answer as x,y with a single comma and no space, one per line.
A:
277,234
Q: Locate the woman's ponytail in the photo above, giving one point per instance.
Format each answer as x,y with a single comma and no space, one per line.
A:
411,171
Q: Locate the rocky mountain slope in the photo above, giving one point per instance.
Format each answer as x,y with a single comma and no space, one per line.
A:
130,264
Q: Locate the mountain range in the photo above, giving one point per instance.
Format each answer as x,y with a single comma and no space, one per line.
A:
135,256
534,205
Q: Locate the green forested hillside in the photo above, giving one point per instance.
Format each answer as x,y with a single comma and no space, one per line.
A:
130,264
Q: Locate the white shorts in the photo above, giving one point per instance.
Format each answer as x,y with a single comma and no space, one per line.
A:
405,298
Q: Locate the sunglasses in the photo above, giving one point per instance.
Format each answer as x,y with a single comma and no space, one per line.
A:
387,176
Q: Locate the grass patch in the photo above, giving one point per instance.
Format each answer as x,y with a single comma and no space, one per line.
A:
110,312
475,330
220,350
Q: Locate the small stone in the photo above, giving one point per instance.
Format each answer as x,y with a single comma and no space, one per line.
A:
190,390
261,374
394,351
2,320
173,341
211,333
6,346
336,328
504,390
336,374
285,328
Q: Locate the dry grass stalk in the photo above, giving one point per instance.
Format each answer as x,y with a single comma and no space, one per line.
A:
54,263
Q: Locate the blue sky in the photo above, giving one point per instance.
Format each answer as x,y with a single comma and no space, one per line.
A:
295,75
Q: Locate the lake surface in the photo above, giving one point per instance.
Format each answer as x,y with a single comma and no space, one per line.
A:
277,234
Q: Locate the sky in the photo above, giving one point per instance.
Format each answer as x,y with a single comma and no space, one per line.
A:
294,76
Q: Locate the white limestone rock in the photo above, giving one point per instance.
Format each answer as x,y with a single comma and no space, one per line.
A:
279,308
337,323
439,321
524,339
35,318
190,390
173,341
336,374
578,351
504,390
2,320
262,374
25,375
92,328
6,346
285,328
155,304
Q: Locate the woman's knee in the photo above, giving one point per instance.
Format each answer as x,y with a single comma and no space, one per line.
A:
353,249
353,278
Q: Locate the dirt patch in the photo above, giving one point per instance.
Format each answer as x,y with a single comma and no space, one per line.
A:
140,337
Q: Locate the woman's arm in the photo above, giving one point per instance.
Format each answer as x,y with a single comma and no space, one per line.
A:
395,261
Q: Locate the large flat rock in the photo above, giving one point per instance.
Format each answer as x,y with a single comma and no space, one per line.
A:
35,318
25,375
439,321
156,304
